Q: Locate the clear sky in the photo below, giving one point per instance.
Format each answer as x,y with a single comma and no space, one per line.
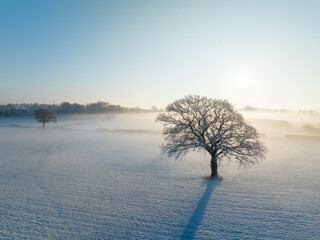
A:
144,53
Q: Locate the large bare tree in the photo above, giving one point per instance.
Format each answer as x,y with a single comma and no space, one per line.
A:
210,125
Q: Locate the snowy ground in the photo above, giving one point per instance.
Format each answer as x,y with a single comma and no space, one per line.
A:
95,178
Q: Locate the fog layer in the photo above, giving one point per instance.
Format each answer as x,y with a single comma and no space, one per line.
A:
103,176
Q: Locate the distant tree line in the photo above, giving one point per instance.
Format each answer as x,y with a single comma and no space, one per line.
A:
249,108
10,110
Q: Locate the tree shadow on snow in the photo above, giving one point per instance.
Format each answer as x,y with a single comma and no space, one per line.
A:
197,216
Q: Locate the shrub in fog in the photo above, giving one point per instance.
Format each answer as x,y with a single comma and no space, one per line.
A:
44,115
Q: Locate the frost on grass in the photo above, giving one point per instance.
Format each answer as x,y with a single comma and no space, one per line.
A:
74,182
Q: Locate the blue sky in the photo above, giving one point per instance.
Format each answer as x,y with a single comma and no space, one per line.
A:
144,53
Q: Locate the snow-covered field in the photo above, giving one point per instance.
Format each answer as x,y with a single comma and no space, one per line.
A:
103,177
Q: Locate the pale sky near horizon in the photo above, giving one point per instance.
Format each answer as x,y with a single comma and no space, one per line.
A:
143,53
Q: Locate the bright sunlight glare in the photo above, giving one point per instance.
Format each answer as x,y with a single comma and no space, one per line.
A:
241,80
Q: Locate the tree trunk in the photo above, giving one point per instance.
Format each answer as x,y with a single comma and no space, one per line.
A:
214,167
43,124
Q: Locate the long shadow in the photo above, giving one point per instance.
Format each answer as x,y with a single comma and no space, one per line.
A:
197,216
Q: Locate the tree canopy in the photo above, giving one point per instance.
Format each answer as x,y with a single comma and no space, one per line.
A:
209,125
43,115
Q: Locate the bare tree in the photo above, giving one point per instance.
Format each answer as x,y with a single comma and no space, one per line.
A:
210,125
44,115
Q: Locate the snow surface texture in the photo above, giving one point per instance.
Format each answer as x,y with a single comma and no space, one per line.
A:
79,179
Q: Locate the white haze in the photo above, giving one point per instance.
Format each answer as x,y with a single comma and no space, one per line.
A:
103,176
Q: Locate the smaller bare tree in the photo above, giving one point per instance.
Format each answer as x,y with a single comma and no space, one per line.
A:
212,126
44,115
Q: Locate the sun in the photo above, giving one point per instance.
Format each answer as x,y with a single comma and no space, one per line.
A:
241,79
